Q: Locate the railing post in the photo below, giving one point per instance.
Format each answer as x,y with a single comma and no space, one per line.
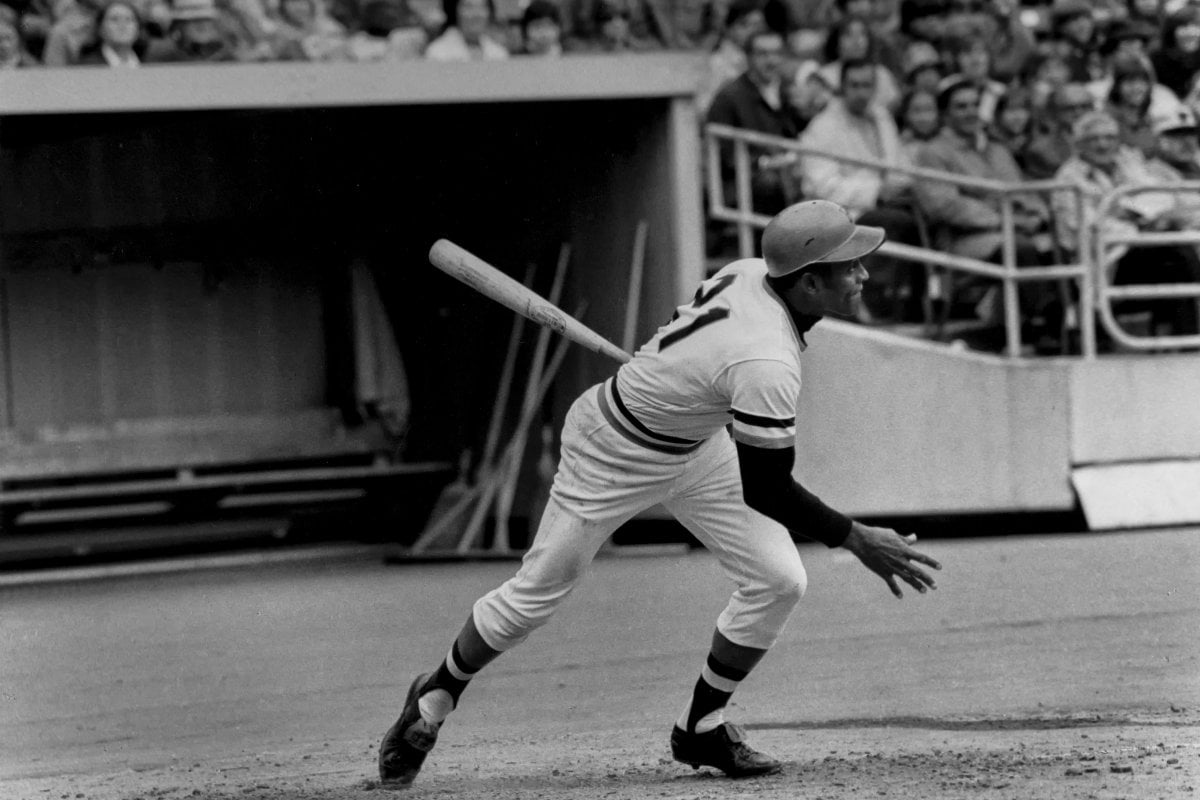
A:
1087,282
741,162
1012,306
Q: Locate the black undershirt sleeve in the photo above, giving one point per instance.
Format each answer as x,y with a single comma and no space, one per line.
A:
769,488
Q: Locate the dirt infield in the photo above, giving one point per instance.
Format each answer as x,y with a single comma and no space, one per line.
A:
1051,667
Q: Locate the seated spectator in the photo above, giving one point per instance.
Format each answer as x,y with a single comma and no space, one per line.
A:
756,100
120,40
1051,143
541,29
248,27
1074,29
922,66
973,60
192,37
617,26
1010,42
1012,122
1177,61
32,20
918,120
728,58
1046,72
689,24
1100,165
74,26
388,32
1126,36
1135,97
1150,15
967,221
923,20
1177,158
807,92
854,125
881,23
305,33
12,53
851,39
468,36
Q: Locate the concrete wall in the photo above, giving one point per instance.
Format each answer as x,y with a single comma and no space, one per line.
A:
1135,408
889,425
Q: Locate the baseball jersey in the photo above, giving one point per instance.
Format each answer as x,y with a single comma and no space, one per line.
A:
731,355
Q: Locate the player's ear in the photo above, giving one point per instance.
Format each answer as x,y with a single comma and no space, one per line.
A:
810,282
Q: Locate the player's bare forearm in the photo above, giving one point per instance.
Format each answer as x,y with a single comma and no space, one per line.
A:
890,556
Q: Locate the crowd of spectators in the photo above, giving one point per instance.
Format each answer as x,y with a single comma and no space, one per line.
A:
984,88
1096,93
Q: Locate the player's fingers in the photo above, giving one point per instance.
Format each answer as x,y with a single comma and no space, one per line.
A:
922,576
891,582
912,580
911,538
924,559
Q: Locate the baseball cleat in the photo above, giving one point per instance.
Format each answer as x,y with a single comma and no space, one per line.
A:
405,745
724,748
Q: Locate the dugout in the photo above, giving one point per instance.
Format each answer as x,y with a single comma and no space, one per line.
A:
177,243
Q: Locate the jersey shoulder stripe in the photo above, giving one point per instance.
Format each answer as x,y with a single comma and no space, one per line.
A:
761,421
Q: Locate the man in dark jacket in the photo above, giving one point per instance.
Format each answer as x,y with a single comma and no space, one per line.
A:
757,101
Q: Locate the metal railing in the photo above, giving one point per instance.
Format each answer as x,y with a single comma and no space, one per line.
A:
1007,271
1107,293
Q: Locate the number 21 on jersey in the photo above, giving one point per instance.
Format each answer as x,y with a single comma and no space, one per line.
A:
692,319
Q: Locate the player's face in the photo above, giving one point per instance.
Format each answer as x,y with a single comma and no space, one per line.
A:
841,294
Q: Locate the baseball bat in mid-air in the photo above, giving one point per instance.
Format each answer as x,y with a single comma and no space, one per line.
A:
486,279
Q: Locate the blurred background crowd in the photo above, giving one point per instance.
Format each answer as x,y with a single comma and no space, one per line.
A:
1095,94
1099,93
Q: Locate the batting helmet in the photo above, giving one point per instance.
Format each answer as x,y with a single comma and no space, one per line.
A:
813,232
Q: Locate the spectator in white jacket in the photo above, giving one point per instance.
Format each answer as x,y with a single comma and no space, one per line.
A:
855,126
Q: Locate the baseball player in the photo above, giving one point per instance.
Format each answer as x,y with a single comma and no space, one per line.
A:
702,420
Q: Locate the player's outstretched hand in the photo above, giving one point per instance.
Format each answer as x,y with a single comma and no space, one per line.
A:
890,556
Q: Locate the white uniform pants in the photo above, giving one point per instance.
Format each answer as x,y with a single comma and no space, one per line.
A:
603,480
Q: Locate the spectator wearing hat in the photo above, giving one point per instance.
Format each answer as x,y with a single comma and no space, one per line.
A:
12,52
728,57
1178,145
1134,97
1073,27
1177,61
1177,158
193,36
468,36
851,39
1100,165
922,66
541,29
120,37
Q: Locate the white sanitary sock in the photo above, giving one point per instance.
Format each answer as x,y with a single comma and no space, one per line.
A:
435,706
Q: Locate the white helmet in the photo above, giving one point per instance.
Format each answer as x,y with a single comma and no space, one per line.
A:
813,232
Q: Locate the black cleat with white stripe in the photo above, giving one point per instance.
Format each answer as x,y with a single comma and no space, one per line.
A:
723,748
